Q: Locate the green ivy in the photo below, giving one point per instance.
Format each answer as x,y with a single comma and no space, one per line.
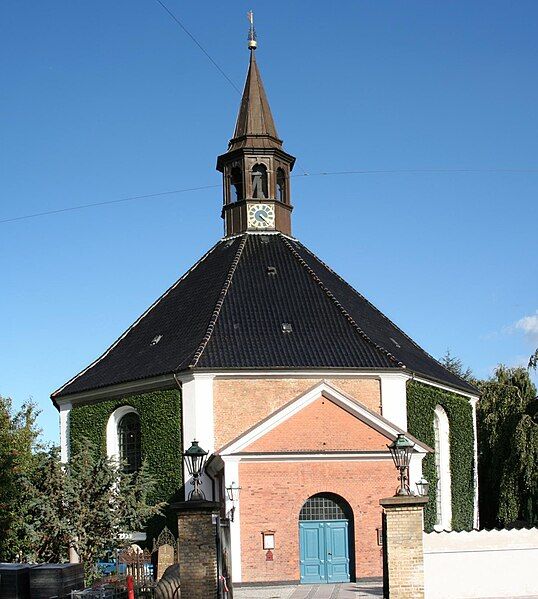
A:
421,403
160,423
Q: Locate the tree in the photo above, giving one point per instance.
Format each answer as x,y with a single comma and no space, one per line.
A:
19,448
89,505
533,360
508,449
455,365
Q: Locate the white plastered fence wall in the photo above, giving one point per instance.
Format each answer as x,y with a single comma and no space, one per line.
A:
485,563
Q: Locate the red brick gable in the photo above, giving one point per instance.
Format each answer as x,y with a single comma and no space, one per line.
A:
322,425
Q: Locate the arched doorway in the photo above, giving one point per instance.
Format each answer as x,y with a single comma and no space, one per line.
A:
325,539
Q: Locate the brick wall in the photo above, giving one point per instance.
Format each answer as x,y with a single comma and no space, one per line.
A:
197,553
272,496
404,526
241,403
321,426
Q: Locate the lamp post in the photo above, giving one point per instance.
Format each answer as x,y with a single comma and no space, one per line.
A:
400,450
423,486
195,458
233,495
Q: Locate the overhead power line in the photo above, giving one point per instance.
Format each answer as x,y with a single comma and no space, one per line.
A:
129,199
173,16
316,174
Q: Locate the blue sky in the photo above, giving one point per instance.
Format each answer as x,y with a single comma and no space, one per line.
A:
105,100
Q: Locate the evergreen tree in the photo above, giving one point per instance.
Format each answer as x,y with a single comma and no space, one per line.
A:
455,365
19,449
508,449
88,505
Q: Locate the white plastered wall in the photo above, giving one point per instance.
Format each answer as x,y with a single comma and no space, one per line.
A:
65,410
112,440
198,422
231,475
485,563
444,483
394,398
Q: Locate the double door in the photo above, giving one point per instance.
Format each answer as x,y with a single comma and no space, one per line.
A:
324,551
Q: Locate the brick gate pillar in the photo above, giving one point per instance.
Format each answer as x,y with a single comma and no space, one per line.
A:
403,559
197,548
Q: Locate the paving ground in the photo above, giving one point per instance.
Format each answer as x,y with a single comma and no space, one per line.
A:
350,590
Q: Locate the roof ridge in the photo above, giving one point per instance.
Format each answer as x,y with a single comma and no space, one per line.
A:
218,306
137,321
384,316
332,297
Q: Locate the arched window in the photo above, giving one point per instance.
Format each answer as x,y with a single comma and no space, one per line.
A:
281,185
324,506
443,502
259,181
236,184
129,438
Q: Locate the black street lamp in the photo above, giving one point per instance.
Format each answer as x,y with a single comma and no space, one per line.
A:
401,449
195,458
233,495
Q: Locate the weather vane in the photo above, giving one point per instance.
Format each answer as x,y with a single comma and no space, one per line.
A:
252,43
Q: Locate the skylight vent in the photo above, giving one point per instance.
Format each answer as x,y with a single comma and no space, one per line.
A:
395,342
286,327
271,270
264,238
156,339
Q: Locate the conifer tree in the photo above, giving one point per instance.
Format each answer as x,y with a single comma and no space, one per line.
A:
88,505
19,448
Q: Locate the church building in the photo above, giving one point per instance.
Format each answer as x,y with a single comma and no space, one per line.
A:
292,381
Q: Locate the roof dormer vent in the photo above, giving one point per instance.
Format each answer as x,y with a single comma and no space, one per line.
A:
156,339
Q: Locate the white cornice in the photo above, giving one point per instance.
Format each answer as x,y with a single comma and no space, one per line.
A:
164,381
470,396
356,456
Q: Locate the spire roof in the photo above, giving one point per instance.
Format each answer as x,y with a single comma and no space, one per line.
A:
255,126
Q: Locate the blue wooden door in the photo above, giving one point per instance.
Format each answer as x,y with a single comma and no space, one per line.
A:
337,549
324,551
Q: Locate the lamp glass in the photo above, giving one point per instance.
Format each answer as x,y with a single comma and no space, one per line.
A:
268,540
423,487
233,492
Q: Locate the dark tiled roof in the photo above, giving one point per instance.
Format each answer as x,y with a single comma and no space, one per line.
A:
228,312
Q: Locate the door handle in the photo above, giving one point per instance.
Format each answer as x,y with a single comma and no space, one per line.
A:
329,553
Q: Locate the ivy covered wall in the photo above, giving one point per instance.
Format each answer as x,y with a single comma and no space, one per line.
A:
160,424
421,402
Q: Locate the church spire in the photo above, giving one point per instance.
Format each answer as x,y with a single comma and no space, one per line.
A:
255,168
255,119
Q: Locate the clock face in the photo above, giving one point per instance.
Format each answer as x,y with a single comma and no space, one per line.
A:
261,216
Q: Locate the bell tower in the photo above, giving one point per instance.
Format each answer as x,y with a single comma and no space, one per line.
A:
255,168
